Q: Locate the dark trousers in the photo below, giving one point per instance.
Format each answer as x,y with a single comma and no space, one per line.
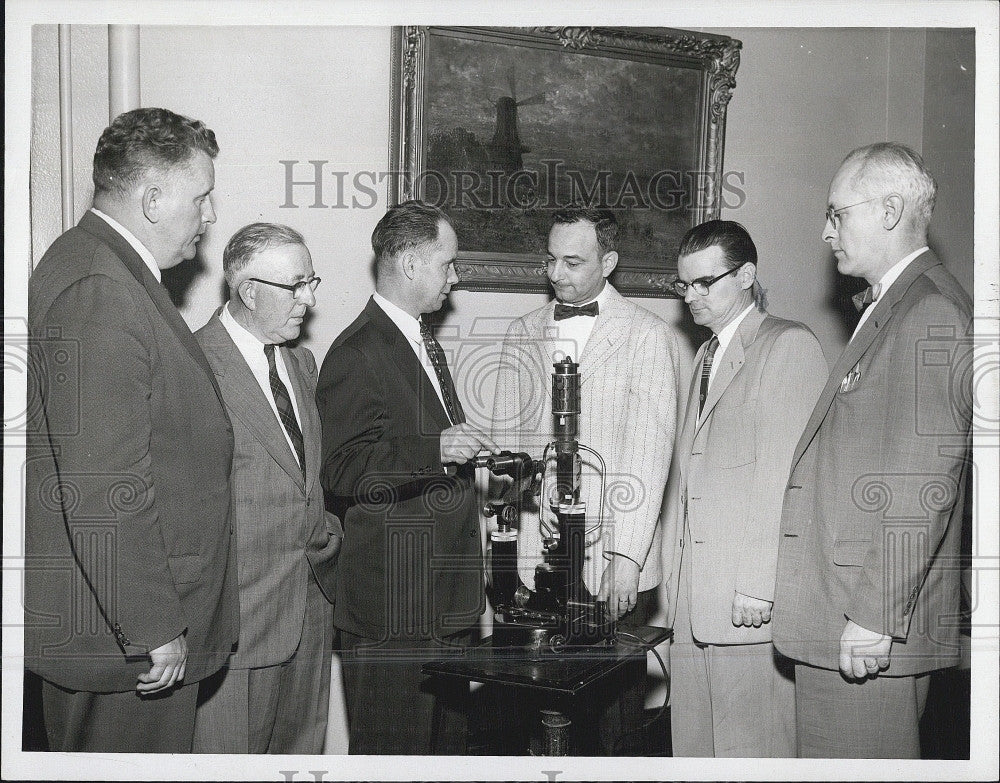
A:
392,707
119,722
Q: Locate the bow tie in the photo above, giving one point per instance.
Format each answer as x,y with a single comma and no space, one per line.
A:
867,297
568,311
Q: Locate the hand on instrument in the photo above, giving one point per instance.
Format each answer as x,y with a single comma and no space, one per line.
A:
462,442
620,586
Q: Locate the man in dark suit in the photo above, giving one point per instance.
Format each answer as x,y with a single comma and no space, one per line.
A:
273,696
129,590
867,594
410,576
729,694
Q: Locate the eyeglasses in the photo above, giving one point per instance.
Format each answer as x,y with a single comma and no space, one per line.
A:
701,285
833,215
297,290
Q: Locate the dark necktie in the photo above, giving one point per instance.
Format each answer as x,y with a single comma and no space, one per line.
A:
706,371
867,297
285,410
435,353
569,311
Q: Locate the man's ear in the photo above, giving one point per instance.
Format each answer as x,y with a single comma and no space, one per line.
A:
408,263
747,274
152,198
893,206
609,262
248,294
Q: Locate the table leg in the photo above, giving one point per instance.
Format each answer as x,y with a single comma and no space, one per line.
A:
555,733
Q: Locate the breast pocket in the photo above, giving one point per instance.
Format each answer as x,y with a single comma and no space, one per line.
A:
733,436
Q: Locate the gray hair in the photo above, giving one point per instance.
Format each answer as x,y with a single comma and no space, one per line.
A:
250,240
888,167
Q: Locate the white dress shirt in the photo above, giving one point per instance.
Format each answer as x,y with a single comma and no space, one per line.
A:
725,336
252,350
884,282
129,237
410,327
573,333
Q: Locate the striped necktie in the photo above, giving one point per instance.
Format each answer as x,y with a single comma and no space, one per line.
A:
452,405
285,410
706,371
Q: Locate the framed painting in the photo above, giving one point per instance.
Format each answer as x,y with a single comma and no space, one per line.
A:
500,127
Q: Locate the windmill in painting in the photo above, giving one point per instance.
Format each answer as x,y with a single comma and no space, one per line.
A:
506,149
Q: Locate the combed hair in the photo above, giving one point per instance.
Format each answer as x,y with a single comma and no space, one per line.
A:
250,240
407,225
890,167
603,220
144,139
737,247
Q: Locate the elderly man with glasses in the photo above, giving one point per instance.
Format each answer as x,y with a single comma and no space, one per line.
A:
273,696
867,594
755,382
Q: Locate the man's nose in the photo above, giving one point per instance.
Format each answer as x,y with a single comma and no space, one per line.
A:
208,211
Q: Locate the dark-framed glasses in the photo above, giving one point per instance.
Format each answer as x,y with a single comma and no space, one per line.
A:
298,289
701,285
833,215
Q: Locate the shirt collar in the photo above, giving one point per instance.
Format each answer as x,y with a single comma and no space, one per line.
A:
894,272
129,237
247,342
407,324
725,334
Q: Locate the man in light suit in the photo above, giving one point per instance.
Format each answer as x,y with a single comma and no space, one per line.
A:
867,594
273,696
754,384
129,590
628,361
396,467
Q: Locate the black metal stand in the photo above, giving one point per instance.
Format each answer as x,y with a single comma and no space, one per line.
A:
556,675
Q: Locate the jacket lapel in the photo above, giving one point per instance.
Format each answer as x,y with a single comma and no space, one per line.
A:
246,399
730,363
858,346
409,366
608,331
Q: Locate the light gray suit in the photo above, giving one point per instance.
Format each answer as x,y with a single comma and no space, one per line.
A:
628,401
728,698
274,696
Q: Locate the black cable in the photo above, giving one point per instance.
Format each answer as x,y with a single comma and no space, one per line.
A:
666,680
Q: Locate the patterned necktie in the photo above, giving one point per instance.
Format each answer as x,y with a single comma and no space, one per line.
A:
435,353
868,296
706,371
285,410
568,311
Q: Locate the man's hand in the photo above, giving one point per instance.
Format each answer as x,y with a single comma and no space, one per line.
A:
462,442
620,586
167,670
863,653
750,611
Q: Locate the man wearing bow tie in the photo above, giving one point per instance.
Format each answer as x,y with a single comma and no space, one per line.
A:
730,696
867,594
396,467
628,361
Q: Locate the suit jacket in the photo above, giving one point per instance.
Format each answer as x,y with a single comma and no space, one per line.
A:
873,508
732,466
411,560
628,402
125,420
281,527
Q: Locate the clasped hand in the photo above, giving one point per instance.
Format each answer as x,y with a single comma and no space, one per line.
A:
169,661
863,653
749,611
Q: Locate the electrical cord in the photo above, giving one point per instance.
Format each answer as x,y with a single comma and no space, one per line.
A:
666,679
